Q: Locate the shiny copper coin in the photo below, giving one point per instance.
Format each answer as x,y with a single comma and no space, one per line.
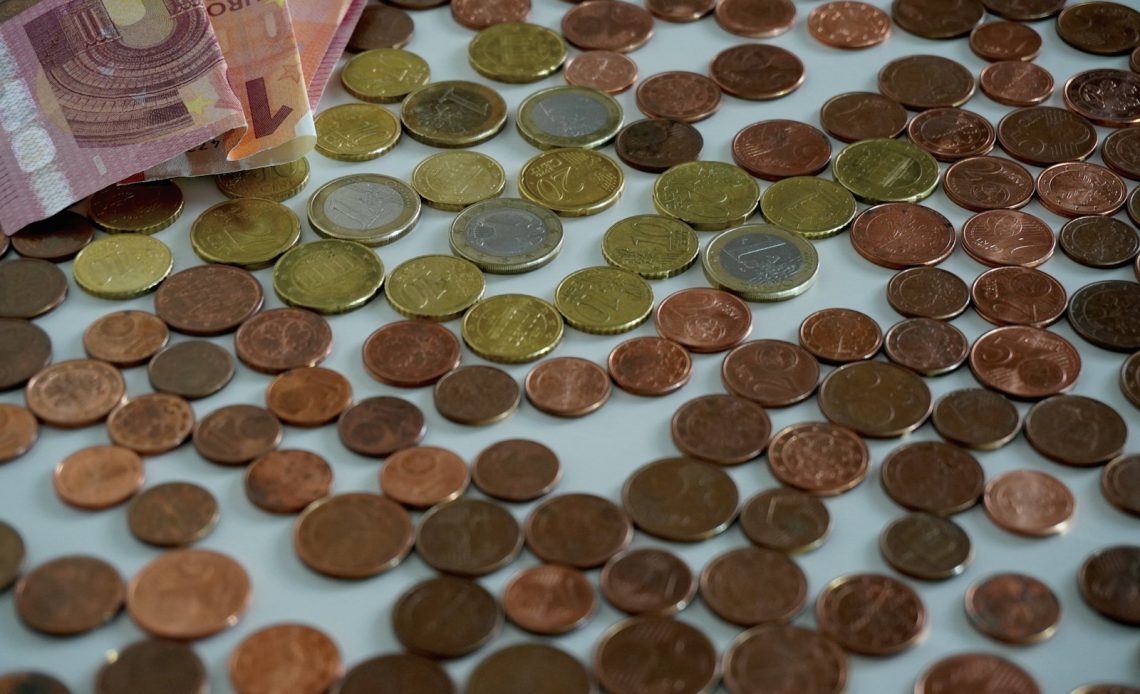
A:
152,665
771,373
477,395
976,418
606,71
1044,135
926,346
1100,28
1120,483
1008,237
480,14
648,581
702,319
516,470
1073,189
286,481
654,144
875,399
925,546
1024,10
353,535
784,658
397,673
188,594
125,338
607,26
1029,503
755,19
1016,83
208,299
567,386
285,659
686,97
410,354
937,19
19,431
973,672
549,599
1121,152
680,10
649,654
446,617
98,477
75,393
579,530
1099,242
721,429
649,366
151,424
847,24
920,82
1075,430
282,339
69,595
25,349
988,183
933,477
1013,608
1106,314
423,476
818,458
11,555
840,335
1025,363
308,396
1018,296
785,520
928,292
236,434
59,237
855,116
468,537
752,585
192,369
776,149
871,614
379,426
1130,379
658,498
996,41
30,288
950,134
1107,581
381,26
529,667
756,71
173,514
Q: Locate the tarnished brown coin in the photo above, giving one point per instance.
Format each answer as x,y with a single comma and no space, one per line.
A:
125,338
567,386
925,546
973,672
875,399
549,599
1076,188
236,434
516,470
840,335
1101,95
381,26
1107,314
19,431
660,499
607,26
1029,503
1013,608
379,426
1120,484
772,373
25,350
757,71
703,319
648,654
901,235
933,477
752,585
98,477
152,665
855,116
920,82
785,520
282,339
446,617
57,238
755,18
1045,135
1016,83
286,481
480,14
655,144
988,183
579,530
208,299
1025,363
976,418
173,514
1107,581
1130,377
468,537
69,595
784,658
606,71
1075,430
818,458
30,287
648,581
1008,237
397,673
926,346
649,366
928,292
477,395
529,667
423,476
19,682
680,10
151,424
353,535
1100,28
951,134
1024,10
1018,296
850,25
871,614
937,19
776,149
192,369
308,396
996,41
75,393
11,555
723,429
292,658
1121,151
411,353
1098,241
686,97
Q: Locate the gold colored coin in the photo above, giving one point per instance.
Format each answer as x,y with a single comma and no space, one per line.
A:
371,209
885,170
276,183
604,300
122,266
572,182
356,132
654,246
506,236
247,232
516,52
813,207
453,180
328,276
706,195
453,114
761,262
141,208
435,287
569,116
512,328
384,75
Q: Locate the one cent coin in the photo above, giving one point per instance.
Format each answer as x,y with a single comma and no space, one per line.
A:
152,665
1073,189
11,555
1107,581
25,349
686,97
291,658
752,585
758,72
477,395
849,25
648,581
380,674
379,426
173,514
1013,608
1029,503
785,520
468,537
840,335
925,546
1120,483
30,287
933,19
381,26
1018,296
567,387
997,41
818,458
777,149
286,481
784,657
549,599
446,617
771,373
646,654
680,10
125,338
856,116
703,319
875,399
529,667
723,429
932,477
926,346
950,134
1024,10
236,434
1107,314
98,477
649,366
1025,363
151,424
1045,135
55,239
69,595
353,535
755,19
192,369
208,299
309,396
75,393
423,476
579,530
972,672
1121,152
479,14
976,418
899,235
607,26
1098,241
1075,430
1016,83
1008,237
654,144
282,339
979,184
19,431
606,71
658,498
871,614
920,82
928,292
516,470
410,354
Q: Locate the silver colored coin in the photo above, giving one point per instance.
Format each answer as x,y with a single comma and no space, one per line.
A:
367,208
506,235
761,262
569,117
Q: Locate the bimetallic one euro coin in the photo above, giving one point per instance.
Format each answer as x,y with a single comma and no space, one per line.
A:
516,52
356,132
506,235
813,207
604,300
453,114
453,180
435,287
652,245
276,183
882,170
572,182
761,262
384,75
568,116
706,195
247,232
328,276
122,266
371,209
142,208
512,328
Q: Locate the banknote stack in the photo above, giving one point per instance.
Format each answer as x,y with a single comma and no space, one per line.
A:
95,92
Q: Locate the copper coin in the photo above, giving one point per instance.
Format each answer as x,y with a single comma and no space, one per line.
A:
899,235
1018,296
648,581
855,116
1024,10
680,10
353,535
423,476
59,237
69,595
286,481
282,339
932,476
752,585
926,346
151,424
188,594
650,654
173,514
607,26
1107,314
308,396
784,658
871,614
1025,363
1105,96
1008,237
516,470
1106,689
655,144
1108,583
1029,503
477,395
721,429
1100,28
996,41
925,546
1120,484
19,431
1121,152
529,667
756,71
446,617
703,319
480,14
11,554
659,499
850,25
606,71
681,96
285,659
1130,379
755,19
396,673
468,537
974,672
976,418
567,386
579,530
192,369
1073,189
649,366
379,426
381,26
1099,242
928,292
818,458
1075,430
840,335
411,353
75,393
208,299
775,149
785,520
30,287
772,373
1016,83
937,19
153,665
125,338
920,82
98,477
1044,135
875,399
1013,608
417,4
236,434
988,183
950,134
549,599
25,349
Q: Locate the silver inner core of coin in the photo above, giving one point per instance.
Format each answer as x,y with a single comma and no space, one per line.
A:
569,114
506,233
364,205
761,258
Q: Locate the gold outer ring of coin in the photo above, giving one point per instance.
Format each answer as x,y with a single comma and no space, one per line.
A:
356,132
451,181
122,266
668,246
852,165
478,127
277,183
328,276
707,195
142,208
530,130
516,52
791,286
604,300
364,188
434,287
814,208
246,232
384,75
518,263
512,328
593,170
